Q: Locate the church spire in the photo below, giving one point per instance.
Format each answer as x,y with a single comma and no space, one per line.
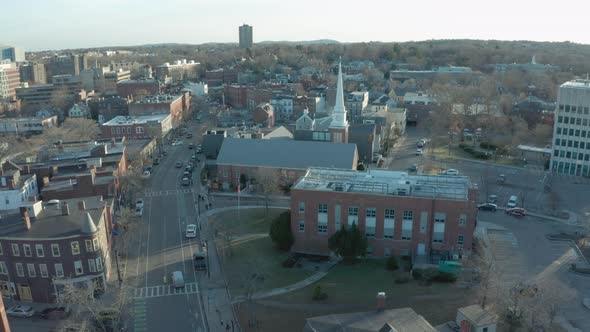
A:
339,114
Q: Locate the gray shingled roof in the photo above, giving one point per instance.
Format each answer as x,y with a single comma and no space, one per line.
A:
286,153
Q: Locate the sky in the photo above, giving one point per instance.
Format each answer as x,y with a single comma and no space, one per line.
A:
57,24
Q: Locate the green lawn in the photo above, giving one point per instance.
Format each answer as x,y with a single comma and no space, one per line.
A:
251,256
354,288
249,220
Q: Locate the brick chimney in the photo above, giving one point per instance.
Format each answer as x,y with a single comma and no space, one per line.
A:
65,209
25,214
82,205
11,184
381,301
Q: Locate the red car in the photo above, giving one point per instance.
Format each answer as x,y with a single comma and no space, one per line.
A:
518,212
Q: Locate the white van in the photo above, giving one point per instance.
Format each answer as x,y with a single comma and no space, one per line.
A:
512,201
177,279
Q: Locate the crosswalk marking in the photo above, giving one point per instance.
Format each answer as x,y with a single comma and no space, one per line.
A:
139,315
165,290
167,192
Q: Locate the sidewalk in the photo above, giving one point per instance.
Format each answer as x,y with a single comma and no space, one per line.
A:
444,158
282,290
217,304
572,219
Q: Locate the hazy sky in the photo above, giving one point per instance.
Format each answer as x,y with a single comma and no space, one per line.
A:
57,24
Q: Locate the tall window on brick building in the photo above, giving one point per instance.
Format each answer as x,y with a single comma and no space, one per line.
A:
337,224
323,218
353,215
407,225
439,227
389,224
370,221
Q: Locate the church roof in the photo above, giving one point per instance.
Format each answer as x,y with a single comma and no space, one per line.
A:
288,154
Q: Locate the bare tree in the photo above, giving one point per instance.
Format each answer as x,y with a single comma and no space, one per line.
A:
89,313
267,184
71,130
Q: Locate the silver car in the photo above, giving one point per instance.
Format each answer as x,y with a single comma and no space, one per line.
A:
21,310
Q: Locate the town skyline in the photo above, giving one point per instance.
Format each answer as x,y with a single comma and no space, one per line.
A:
145,25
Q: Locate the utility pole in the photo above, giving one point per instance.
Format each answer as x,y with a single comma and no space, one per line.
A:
118,268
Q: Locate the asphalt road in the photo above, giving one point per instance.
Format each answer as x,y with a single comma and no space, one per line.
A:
163,248
522,253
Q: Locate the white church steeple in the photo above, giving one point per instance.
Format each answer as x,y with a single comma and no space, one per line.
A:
339,113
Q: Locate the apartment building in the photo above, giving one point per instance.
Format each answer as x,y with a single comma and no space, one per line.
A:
176,105
33,73
47,245
177,72
356,102
9,81
245,32
571,132
400,214
112,78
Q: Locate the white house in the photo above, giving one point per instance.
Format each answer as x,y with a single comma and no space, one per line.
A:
79,110
197,89
15,189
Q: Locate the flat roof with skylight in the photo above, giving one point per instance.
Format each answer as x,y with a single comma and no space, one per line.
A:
381,182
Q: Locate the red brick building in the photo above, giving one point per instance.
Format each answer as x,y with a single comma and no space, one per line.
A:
219,77
177,106
236,96
401,214
50,244
138,88
137,127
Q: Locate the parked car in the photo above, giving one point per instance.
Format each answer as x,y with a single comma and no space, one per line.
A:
191,146
199,148
55,313
157,161
139,211
139,203
487,207
413,168
189,135
419,152
450,171
176,143
179,164
149,169
21,310
517,212
191,231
